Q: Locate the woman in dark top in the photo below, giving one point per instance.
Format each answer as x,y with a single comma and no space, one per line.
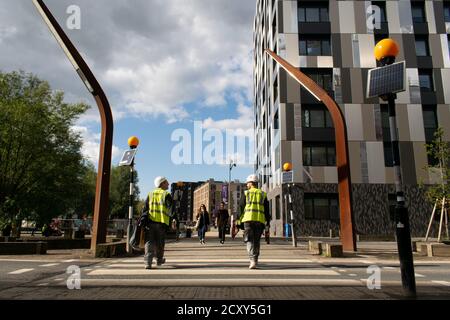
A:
203,223
222,221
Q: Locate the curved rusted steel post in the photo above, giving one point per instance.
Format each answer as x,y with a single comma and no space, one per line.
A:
348,237
104,163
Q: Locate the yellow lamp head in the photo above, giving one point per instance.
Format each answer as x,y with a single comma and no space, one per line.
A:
386,48
133,142
287,166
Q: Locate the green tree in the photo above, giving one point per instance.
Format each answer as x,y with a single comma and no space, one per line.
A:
119,194
439,150
41,165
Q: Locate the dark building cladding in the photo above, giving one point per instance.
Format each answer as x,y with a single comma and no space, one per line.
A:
331,42
183,195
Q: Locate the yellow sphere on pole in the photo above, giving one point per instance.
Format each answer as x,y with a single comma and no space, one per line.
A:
287,166
386,48
133,142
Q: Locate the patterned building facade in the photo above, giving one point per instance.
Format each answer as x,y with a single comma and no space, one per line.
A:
332,42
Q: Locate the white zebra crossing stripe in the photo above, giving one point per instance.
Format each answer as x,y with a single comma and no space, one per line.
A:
49,265
444,283
210,271
20,271
218,282
141,260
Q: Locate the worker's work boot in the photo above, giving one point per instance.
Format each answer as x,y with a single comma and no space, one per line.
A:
252,265
160,262
148,266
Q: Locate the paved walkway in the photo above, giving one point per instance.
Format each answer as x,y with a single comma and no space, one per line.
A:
215,271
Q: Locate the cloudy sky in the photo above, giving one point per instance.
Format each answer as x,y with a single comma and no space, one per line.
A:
162,63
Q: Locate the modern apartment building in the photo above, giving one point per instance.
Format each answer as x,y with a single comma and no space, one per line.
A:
183,194
332,42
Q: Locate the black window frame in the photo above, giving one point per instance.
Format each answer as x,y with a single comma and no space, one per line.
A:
318,74
310,201
426,73
306,116
323,11
307,40
310,161
418,5
425,40
446,11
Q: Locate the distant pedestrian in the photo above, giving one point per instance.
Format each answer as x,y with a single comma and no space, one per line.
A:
202,223
222,222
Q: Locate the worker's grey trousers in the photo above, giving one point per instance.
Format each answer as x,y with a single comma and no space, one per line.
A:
155,238
252,236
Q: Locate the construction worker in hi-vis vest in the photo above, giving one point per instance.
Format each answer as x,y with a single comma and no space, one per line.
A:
158,205
254,215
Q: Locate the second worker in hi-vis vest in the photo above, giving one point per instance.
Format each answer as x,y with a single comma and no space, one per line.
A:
255,215
158,205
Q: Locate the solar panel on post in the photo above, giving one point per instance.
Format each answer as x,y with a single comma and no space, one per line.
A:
387,79
127,158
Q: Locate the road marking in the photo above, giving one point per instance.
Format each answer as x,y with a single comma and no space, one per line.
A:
444,283
58,279
418,275
49,265
43,284
342,270
70,260
209,271
212,260
389,268
217,282
20,271
353,275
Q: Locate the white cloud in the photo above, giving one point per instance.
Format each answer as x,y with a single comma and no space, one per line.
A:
91,145
241,124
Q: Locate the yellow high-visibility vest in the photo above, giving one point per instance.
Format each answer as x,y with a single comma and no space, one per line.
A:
157,206
254,206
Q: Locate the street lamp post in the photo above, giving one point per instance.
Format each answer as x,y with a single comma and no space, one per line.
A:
104,163
229,186
133,142
385,51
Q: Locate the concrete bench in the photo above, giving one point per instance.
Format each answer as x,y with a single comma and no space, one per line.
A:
315,247
435,250
108,250
14,248
333,250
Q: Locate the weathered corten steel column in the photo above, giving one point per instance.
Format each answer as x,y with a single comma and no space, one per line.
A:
348,237
104,163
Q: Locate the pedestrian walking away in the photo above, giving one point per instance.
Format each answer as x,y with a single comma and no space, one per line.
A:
202,223
255,215
159,206
222,222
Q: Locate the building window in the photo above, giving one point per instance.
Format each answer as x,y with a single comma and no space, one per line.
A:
426,80
422,48
316,116
319,154
418,12
430,124
387,145
313,12
315,46
323,77
321,206
382,6
447,11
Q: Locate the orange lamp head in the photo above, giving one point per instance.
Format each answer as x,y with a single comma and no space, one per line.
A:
287,166
386,48
133,142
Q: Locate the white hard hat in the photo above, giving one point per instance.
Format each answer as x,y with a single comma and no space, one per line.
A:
159,180
252,178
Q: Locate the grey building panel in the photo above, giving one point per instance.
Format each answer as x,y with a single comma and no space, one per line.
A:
346,85
289,121
443,114
407,162
334,16
439,16
436,50
357,90
336,47
347,52
293,90
438,87
360,17
409,48
368,119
